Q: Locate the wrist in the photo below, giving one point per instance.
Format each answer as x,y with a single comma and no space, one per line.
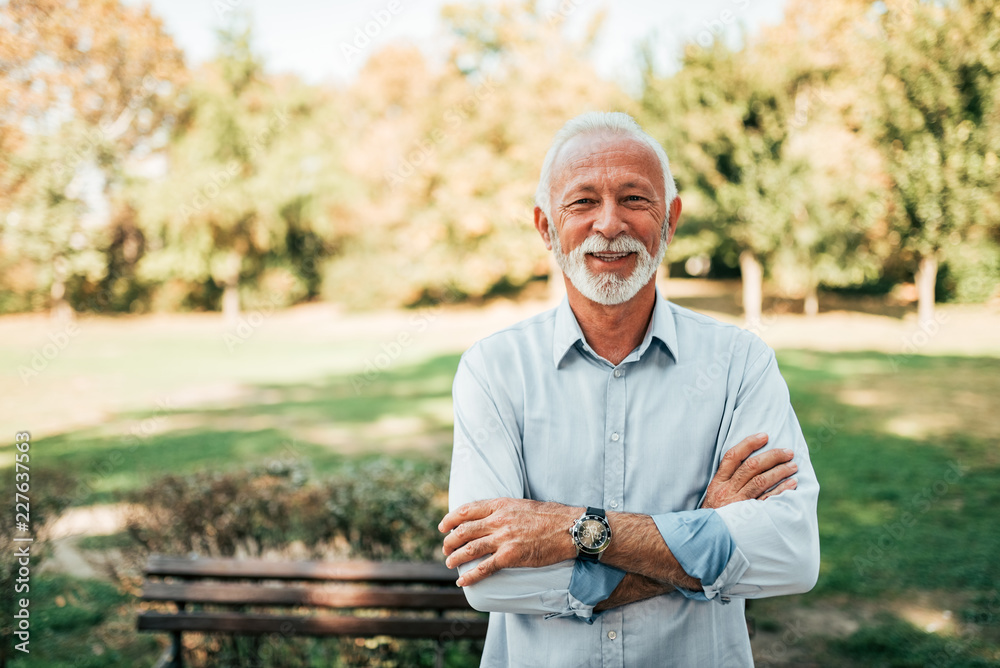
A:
591,534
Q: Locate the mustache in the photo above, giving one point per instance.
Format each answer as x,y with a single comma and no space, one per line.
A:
623,243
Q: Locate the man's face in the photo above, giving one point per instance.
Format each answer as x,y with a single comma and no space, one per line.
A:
608,210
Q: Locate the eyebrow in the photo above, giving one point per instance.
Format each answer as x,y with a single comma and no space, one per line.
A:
589,187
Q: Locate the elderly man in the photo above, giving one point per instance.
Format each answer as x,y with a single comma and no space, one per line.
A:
607,507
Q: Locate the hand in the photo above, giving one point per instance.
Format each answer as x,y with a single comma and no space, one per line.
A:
516,532
741,477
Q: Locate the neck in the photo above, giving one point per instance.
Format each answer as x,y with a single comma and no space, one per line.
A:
613,331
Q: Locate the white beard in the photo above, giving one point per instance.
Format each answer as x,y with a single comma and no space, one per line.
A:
607,287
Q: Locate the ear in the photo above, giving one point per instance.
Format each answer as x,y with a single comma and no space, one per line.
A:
542,225
672,216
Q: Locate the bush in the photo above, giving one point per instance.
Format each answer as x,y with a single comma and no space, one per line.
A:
374,510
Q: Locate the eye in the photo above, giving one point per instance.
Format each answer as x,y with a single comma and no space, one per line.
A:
635,198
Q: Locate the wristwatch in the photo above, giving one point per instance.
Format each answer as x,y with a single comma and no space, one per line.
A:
591,534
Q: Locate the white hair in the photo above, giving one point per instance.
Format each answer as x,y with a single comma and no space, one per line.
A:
598,122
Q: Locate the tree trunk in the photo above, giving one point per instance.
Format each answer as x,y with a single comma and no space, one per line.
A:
811,305
926,280
59,309
753,291
231,301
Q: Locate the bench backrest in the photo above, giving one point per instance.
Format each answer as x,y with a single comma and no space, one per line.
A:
241,583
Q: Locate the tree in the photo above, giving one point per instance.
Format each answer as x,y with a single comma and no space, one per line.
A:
834,233
451,156
241,197
86,88
725,125
936,118
773,171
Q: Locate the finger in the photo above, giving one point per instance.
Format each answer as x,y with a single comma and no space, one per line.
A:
761,484
486,568
783,487
462,534
473,510
469,552
734,457
754,466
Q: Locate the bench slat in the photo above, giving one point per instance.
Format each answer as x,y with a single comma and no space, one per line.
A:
342,571
339,597
324,625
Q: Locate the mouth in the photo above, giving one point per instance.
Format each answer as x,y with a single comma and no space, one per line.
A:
610,258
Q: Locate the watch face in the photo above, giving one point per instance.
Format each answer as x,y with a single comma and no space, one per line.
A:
591,534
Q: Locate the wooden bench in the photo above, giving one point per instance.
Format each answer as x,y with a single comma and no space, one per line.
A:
232,596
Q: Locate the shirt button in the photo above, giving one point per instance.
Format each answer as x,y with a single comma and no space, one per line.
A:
618,373
614,504
615,436
612,635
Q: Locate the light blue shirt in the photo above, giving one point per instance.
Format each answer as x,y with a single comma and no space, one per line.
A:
539,415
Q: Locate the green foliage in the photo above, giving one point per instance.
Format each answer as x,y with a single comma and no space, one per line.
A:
247,177
937,120
838,147
893,643
87,88
376,510
766,162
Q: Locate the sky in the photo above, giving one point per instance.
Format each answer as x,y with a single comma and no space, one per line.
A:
308,37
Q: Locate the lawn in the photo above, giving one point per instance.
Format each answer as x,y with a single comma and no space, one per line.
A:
905,449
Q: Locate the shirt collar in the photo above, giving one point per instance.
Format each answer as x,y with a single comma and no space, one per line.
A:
661,326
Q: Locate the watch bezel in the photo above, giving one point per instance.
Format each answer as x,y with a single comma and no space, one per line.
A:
578,526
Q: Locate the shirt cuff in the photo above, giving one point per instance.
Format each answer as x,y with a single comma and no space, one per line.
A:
591,583
703,546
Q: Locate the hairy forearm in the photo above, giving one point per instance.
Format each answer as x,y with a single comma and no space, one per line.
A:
631,589
638,547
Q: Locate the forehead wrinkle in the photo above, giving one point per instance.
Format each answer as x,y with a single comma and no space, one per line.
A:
609,149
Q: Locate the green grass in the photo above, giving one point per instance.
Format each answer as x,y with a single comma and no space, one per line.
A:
891,643
83,623
905,453
87,466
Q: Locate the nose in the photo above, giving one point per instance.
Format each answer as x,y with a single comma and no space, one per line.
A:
609,223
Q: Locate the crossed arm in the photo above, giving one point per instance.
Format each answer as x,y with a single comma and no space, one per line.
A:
525,533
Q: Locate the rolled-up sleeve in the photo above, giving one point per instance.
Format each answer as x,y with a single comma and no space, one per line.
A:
487,464
702,545
776,541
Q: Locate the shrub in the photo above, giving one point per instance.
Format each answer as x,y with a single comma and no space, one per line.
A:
375,510
379,510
